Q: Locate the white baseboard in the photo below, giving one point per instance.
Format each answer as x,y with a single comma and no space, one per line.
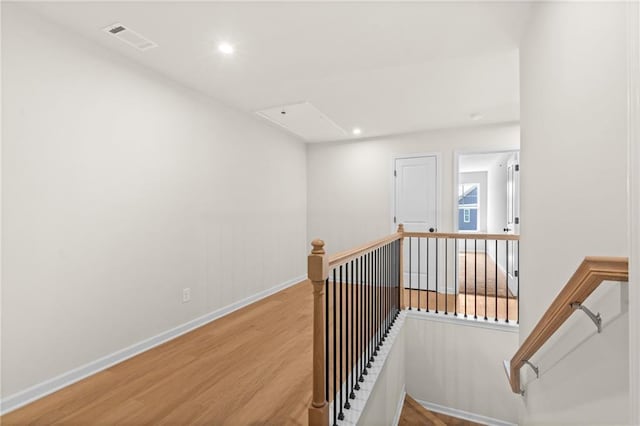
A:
47,387
490,324
396,418
461,414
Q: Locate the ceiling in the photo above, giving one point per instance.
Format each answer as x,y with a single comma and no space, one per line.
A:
386,68
469,163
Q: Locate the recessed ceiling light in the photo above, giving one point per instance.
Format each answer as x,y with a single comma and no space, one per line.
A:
356,131
475,117
226,48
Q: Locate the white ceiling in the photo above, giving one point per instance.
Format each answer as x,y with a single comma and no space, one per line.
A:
384,67
482,162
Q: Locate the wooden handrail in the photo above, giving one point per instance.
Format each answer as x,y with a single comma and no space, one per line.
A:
589,275
347,255
463,236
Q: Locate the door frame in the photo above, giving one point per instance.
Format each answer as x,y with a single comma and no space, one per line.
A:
456,172
633,194
438,156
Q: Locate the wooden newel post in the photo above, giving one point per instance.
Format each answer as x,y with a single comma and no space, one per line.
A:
401,278
318,271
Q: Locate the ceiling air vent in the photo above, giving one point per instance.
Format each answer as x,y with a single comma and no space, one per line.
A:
130,37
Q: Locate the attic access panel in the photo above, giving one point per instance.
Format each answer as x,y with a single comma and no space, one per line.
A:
304,120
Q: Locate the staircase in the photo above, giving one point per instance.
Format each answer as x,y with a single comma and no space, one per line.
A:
415,414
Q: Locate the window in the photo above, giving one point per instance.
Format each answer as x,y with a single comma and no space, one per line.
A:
467,215
468,200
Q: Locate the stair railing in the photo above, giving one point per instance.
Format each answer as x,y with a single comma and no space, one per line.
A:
356,299
357,295
592,272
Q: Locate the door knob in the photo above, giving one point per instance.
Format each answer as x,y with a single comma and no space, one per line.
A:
432,230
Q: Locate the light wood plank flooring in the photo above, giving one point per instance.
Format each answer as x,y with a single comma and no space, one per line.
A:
418,299
250,367
414,414
476,292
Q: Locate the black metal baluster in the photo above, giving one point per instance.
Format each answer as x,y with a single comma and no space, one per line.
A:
360,318
370,310
389,275
370,306
363,316
419,262
384,293
335,370
341,414
475,279
326,340
352,334
386,288
390,283
437,275
392,278
383,298
385,267
373,305
486,254
410,273
387,294
456,278
378,294
389,272
347,332
383,288
465,278
374,309
377,302
396,275
367,280
446,276
428,261
506,298
496,296
346,336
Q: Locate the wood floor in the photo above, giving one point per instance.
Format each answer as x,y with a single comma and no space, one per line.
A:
216,375
414,414
450,303
248,368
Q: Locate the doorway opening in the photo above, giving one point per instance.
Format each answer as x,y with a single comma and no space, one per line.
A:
487,201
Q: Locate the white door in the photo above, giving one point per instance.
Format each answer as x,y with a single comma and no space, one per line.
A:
416,206
513,218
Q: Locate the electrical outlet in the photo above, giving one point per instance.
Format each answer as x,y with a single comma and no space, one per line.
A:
186,295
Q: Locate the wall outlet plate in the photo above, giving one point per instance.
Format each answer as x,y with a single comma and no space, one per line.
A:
186,295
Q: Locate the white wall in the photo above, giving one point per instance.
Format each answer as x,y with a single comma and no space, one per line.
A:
119,189
460,366
350,184
497,204
633,82
498,207
382,404
574,203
